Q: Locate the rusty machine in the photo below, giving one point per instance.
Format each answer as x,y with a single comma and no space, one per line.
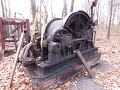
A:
56,60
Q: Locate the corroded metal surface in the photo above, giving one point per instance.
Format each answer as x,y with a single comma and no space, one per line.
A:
56,62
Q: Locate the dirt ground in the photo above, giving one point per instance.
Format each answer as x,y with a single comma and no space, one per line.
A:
107,73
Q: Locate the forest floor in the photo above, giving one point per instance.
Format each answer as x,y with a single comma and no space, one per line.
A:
107,73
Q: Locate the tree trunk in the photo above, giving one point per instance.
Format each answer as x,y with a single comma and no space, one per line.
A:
40,16
5,8
72,6
51,10
3,11
45,16
33,8
97,11
64,11
110,18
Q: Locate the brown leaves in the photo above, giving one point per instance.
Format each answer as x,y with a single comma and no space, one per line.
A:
20,81
109,77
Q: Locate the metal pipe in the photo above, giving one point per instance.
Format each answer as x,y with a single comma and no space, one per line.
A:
27,49
22,53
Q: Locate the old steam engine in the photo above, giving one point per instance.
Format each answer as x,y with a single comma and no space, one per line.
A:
56,59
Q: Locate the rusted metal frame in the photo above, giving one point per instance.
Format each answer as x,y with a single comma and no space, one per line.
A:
11,23
27,26
14,30
15,42
13,19
21,24
16,21
24,23
2,34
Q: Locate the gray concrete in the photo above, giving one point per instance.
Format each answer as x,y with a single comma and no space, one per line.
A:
86,83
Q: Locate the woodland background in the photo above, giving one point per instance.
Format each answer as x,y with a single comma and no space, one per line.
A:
107,12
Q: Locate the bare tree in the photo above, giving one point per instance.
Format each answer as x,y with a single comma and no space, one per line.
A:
9,9
52,10
5,8
33,8
110,18
72,6
3,11
44,3
40,26
64,11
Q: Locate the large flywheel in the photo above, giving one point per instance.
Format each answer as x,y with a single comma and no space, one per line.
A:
77,23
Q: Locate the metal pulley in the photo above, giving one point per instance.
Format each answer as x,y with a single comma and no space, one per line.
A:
76,23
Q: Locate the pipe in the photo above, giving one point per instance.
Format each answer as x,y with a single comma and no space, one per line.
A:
22,53
26,50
